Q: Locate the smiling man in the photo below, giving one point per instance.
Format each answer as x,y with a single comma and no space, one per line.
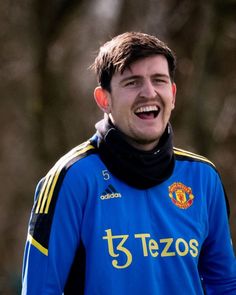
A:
140,101
126,212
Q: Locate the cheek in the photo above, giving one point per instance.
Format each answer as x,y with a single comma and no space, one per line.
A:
170,100
117,112
119,106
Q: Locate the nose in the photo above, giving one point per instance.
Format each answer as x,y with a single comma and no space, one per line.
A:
148,90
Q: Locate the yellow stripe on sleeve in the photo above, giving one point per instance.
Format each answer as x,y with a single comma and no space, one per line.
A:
40,197
192,155
53,175
37,245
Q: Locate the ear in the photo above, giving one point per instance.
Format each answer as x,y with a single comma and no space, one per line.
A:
174,90
102,98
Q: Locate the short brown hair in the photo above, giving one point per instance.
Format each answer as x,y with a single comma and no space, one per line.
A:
121,51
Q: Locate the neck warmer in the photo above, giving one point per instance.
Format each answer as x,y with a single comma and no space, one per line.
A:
137,168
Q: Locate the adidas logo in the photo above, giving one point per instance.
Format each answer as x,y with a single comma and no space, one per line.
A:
110,193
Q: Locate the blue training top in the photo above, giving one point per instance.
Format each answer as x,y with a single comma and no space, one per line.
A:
90,233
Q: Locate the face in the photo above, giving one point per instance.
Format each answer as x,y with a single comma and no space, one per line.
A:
141,101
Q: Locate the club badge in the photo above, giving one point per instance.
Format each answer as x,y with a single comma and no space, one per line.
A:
181,195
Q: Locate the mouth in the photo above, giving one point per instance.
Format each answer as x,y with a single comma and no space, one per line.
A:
147,112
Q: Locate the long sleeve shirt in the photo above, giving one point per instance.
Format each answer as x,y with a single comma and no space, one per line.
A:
90,233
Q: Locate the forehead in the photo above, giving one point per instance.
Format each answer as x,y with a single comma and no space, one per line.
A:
152,65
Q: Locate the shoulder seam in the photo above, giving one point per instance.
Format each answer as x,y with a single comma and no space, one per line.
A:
52,176
192,156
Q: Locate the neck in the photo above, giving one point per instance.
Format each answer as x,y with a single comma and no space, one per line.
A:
135,166
139,145
142,146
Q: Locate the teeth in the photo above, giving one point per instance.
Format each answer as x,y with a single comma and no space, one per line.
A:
147,109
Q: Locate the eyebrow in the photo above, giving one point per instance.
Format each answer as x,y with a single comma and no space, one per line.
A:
140,77
130,78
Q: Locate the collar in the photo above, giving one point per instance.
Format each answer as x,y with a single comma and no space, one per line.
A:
140,169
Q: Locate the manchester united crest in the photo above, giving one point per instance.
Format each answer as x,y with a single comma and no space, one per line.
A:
181,195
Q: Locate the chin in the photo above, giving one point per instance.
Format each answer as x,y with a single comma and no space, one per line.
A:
147,139
151,136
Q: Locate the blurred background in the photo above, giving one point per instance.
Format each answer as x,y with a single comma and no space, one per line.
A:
46,88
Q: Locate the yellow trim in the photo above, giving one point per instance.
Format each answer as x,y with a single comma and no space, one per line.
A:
53,175
45,194
191,155
40,197
37,245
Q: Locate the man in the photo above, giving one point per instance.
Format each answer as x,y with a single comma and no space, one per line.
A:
125,212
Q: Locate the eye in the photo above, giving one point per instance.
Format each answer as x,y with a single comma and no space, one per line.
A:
131,83
159,81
